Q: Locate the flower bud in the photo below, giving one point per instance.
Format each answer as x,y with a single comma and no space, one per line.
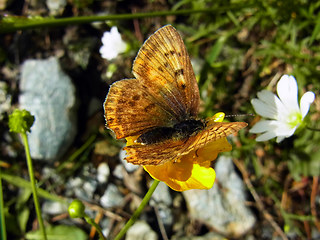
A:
76,209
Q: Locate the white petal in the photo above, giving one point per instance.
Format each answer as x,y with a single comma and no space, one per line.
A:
114,31
270,100
287,134
283,129
266,96
305,103
105,38
266,136
108,53
269,105
263,109
271,129
263,126
264,105
287,89
279,108
112,44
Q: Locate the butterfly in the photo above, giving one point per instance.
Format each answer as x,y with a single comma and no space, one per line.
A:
160,105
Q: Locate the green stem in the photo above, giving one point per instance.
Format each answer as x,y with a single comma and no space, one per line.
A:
313,129
137,213
19,23
2,220
93,223
77,153
33,184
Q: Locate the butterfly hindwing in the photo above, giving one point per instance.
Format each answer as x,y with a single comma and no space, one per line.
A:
212,132
170,150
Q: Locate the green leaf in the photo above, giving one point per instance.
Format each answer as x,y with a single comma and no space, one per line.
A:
315,32
22,208
216,49
22,183
23,217
304,164
61,232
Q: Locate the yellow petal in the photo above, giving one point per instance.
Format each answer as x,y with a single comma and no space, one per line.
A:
198,177
209,152
180,170
191,171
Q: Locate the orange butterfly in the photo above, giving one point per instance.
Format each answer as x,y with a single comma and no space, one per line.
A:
160,105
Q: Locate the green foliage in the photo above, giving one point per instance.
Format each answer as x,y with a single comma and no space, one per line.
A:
61,232
304,157
24,184
22,209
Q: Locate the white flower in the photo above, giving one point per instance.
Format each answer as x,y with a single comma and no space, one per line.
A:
113,44
284,112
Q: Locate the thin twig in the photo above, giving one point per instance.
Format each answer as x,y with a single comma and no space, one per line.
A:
313,129
256,197
160,223
96,220
104,211
313,201
307,229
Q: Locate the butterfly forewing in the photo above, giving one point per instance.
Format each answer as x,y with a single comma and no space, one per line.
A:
130,110
163,65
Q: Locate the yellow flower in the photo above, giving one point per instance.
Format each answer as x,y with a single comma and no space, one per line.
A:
193,170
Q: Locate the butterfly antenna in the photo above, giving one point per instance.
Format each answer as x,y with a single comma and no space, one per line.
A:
239,115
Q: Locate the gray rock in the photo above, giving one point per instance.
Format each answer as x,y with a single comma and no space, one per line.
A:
84,185
112,197
118,171
56,6
54,208
106,225
5,99
315,233
49,95
103,172
128,166
141,231
161,200
161,195
51,174
223,206
82,188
